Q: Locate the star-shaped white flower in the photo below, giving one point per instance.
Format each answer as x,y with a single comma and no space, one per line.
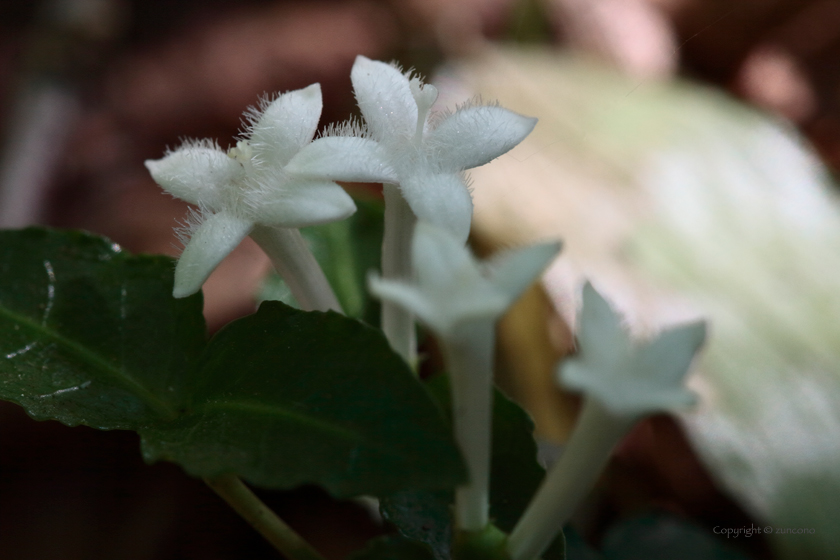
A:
249,186
623,381
404,144
628,377
452,289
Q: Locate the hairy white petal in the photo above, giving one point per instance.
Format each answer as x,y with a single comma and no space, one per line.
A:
303,202
440,198
473,136
513,271
285,125
384,98
212,241
343,159
196,173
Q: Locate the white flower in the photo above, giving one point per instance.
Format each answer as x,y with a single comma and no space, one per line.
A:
452,289
627,377
425,156
250,185
460,299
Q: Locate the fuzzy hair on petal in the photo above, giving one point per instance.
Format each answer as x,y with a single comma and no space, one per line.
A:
352,127
475,135
189,224
282,124
384,98
197,172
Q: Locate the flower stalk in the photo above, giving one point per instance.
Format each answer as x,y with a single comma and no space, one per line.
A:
469,357
233,491
294,262
397,321
569,480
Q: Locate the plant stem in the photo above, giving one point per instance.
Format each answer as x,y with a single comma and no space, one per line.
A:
238,496
294,262
568,481
469,357
398,323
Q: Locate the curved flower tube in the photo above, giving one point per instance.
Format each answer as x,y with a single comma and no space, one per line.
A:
249,190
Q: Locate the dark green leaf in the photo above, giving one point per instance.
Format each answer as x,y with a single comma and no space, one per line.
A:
286,397
422,516
393,547
91,335
665,537
515,476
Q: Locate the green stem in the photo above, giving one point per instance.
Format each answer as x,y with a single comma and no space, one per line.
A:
568,481
294,262
469,357
397,322
232,490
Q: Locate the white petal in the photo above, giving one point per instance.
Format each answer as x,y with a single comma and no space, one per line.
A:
449,275
385,99
301,203
513,271
630,378
197,174
441,199
343,159
408,297
442,261
600,325
473,136
212,241
286,125
670,354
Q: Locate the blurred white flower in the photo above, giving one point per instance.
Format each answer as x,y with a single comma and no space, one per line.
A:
452,289
250,185
629,378
460,299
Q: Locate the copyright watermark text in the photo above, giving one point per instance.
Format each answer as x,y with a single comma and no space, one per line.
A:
735,532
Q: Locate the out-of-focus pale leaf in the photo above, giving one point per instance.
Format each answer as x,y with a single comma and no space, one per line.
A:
680,203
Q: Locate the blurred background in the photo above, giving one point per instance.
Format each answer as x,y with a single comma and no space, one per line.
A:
685,154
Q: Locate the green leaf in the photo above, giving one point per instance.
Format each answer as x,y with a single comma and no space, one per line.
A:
346,251
515,476
90,334
393,547
286,397
422,516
